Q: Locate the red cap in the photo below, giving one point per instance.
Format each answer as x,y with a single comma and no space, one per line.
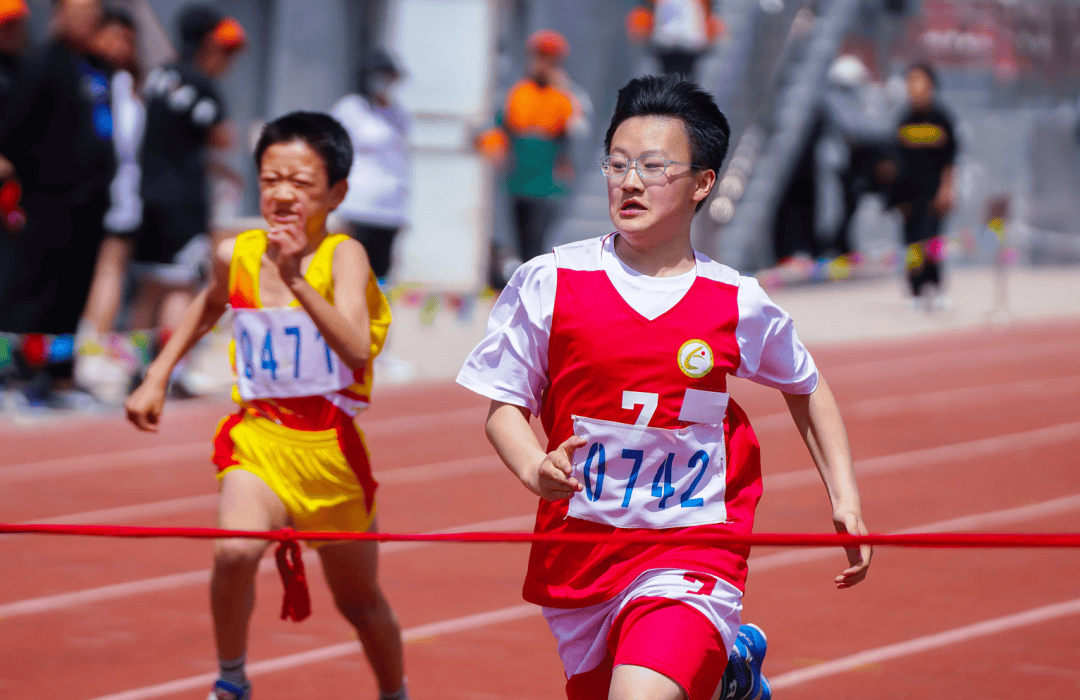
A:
548,42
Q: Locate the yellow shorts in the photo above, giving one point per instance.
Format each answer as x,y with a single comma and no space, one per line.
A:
322,476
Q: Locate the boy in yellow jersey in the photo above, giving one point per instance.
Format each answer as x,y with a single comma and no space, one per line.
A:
308,319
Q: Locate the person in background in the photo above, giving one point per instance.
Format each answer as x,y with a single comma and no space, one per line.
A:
926,150
95,372
56,138
376,207
859,129
14,15
186,124
537,118
678,31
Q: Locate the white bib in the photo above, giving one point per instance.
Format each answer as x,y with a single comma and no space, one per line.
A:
281,354
642,477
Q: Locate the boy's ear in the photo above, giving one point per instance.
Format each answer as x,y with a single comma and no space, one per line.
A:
706,180
338,192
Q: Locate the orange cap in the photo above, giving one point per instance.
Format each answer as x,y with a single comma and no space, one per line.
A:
13,9
548,42
228,34
639,23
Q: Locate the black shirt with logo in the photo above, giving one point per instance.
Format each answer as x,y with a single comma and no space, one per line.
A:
925,146
182,106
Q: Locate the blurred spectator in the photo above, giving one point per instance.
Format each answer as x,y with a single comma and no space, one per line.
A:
13,20
678,31
795,225
115,43
56,133
926,150
186,119
538,116
859,130
376,206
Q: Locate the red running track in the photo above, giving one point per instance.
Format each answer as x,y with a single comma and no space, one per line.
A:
974,431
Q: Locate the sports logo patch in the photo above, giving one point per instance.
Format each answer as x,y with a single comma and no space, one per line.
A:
695,358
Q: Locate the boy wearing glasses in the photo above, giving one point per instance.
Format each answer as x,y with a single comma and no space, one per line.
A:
622,346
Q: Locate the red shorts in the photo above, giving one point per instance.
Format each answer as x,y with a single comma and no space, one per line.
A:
683,631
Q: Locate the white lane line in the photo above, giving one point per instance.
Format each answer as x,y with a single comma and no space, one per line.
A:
517,523
202,449
777,482
405,475
60,601
334,651
848,663
199,451
968,358
1063,432
923,644
1004,392
979,521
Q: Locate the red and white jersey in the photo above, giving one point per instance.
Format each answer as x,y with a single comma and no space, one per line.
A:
637,365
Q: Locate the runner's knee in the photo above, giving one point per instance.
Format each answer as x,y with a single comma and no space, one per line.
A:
235,555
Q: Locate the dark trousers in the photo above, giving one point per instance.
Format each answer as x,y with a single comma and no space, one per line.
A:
378,241
920,228
52,265
532,218
794,230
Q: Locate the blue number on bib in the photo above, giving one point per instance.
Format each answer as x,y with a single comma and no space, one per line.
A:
664,472
295,331
329,357
597,452
247,354
637,456
684,500
268,361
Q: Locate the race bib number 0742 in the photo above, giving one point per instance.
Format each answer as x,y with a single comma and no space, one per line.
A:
281,354
643,477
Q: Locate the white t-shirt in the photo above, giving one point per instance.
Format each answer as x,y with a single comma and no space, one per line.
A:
511,363
379,178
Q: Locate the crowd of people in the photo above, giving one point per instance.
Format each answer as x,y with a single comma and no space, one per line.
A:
113,168
903,153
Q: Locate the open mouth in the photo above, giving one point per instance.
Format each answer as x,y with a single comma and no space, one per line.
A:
631,206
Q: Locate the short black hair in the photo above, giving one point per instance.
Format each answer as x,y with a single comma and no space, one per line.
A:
926,69
323,133
194,22
114,14
678,97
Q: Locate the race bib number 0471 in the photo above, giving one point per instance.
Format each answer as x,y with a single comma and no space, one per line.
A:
643,477
281,354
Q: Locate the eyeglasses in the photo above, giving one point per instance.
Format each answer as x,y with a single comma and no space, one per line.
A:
648,167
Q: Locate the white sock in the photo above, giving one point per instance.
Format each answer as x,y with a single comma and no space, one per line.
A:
401,693
233,671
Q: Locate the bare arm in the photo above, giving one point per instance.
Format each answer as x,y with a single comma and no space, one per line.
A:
818,419
145,403
943,199
546,475
345,324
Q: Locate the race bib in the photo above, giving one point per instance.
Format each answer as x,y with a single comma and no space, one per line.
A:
643,477
281,354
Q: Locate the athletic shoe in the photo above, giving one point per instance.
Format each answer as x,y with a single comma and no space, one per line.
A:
742,677
224,690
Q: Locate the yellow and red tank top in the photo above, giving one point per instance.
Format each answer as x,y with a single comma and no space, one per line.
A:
322,411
